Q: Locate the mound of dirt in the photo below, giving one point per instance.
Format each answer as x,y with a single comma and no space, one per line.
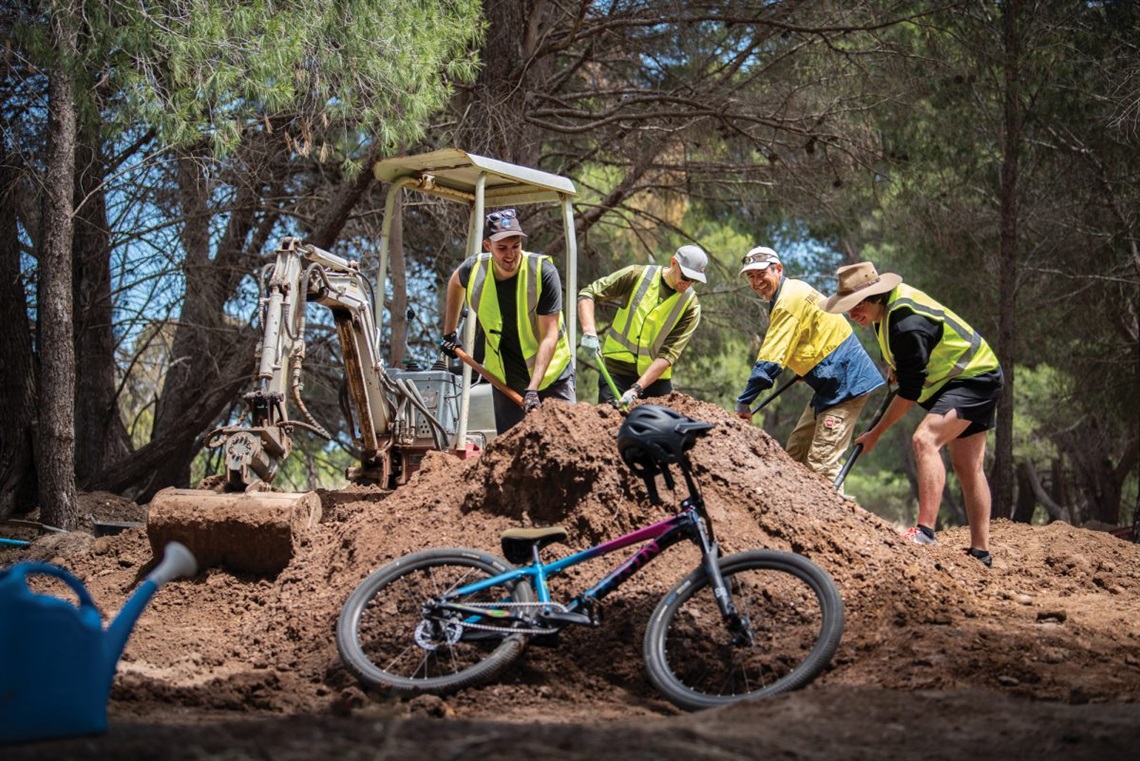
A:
1055,621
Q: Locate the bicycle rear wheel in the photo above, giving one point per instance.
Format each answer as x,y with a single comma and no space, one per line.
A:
796,617
386,641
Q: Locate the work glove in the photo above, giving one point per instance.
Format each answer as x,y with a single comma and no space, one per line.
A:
449,343
630,396
590,343
531,400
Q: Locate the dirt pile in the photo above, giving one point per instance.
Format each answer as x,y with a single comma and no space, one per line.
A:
1057,618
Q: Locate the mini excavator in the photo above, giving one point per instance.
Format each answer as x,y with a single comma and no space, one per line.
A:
399,414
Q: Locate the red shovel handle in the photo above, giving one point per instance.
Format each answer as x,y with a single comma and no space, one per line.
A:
510,392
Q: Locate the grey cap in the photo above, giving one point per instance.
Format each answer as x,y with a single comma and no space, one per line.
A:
693,262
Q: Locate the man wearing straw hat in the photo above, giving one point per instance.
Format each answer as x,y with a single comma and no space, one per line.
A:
820,349
948,369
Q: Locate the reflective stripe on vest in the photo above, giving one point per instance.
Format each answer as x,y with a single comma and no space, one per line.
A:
962,352
485,302
640,329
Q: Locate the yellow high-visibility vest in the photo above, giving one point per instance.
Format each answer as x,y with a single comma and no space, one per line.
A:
962,352
484,301
640,328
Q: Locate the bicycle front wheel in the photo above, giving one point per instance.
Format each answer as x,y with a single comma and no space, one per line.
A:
387,639
792,608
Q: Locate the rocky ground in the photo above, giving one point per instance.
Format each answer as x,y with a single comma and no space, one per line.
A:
1037,657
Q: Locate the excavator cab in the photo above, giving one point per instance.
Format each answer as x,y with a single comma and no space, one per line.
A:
481,184
399,414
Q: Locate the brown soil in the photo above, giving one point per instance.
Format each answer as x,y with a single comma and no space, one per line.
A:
1037,657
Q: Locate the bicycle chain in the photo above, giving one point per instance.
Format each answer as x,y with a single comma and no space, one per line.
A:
557,607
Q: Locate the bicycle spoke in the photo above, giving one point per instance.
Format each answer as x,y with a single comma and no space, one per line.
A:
698,661
389,635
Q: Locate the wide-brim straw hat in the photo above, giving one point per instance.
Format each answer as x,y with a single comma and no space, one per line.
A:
857,282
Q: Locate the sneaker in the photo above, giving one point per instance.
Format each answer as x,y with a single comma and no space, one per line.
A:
918,536
982,555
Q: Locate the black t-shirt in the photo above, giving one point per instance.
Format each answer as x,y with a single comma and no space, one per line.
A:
549,302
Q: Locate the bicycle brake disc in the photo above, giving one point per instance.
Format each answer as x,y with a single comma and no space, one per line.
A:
432,635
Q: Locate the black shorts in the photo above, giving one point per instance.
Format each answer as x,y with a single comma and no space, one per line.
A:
974,399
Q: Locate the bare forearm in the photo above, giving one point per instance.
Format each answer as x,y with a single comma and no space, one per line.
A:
586,316
454,304
653,372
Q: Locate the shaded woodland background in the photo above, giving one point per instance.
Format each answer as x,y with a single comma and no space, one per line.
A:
153,155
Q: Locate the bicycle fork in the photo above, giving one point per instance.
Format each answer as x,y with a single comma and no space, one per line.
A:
738,625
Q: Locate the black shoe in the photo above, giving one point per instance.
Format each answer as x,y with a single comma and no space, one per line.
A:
982,555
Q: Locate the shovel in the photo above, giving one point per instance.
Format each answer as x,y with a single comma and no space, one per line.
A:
513,395
609,379
859,447
775,393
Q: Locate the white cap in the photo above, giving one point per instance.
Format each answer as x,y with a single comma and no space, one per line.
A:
758,259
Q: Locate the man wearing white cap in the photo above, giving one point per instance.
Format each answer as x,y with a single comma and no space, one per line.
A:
948,369
822,351
658,312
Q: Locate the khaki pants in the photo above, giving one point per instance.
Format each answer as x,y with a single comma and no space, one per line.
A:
819,441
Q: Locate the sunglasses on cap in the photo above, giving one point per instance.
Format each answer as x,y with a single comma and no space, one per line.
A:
499,216
758,258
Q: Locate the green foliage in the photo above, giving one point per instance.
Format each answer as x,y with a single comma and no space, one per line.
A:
1036,412
205,71
885,493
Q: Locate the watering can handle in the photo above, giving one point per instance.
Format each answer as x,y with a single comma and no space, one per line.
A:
47,569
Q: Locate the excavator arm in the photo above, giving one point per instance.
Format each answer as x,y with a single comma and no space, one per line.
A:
390,410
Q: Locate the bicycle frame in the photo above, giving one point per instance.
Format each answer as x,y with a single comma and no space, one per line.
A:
689,523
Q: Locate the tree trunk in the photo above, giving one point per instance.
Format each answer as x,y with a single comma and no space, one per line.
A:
1056,511
1026,505
1001,481
210,356
100,437
18,484
493,114
56,456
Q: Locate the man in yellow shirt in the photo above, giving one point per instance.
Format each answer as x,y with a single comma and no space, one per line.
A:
822,350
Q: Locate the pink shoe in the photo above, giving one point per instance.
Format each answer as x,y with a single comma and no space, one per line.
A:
918,536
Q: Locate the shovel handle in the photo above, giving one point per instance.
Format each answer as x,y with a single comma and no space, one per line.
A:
775,393
513,395
847,466
859,447
609,379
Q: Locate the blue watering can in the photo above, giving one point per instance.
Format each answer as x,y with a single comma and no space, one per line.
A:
56,659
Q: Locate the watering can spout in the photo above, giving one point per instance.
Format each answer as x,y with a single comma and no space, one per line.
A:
177,561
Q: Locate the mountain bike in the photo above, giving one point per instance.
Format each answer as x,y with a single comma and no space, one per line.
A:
747,625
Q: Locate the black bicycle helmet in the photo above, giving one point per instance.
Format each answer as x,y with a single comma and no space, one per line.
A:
654,435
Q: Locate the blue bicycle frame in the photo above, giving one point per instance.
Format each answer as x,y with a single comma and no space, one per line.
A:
690,523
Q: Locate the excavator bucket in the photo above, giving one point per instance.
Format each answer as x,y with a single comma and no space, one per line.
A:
255,533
